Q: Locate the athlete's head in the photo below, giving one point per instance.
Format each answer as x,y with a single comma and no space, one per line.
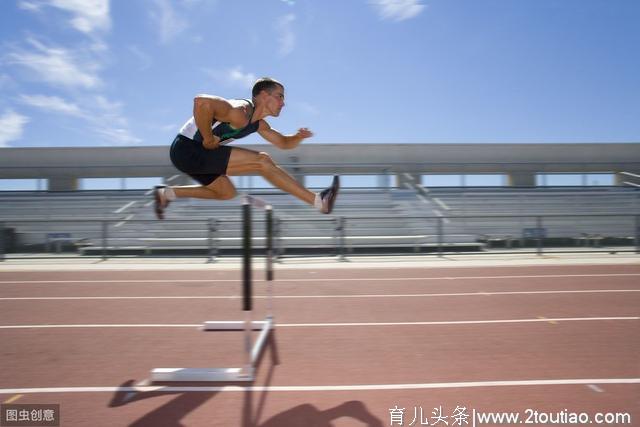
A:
269,92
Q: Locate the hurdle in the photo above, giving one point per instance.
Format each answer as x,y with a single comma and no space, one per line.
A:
252,351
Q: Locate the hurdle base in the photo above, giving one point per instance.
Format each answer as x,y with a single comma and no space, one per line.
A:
220,374
213,325
201,375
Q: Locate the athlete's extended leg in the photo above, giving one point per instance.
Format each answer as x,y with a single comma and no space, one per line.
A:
244,162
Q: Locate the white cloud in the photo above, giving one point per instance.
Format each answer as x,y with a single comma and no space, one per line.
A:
171,18
120,136
57,66
168,21
100,116
51,104
107,106
88,16
74,71
397,10
286,36
233,77
107,120
11,126
143,58
194,3
236,75
31,6
98,47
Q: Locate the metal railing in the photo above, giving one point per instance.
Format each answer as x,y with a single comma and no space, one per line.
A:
339,235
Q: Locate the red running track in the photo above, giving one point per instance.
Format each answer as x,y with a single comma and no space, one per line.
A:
350,346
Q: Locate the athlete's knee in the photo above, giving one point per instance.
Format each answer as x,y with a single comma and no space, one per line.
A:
222,188
265,161
226,193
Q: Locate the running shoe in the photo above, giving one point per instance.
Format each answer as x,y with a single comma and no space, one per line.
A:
161,201
329,195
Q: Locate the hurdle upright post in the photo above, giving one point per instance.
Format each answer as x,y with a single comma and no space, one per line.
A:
539,235
269,258
440,225
3,245
105,239
212,226
637,233
246,282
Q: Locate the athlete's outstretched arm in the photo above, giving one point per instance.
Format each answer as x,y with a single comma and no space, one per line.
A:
285,142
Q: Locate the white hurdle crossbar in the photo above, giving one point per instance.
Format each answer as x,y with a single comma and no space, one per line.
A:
252,350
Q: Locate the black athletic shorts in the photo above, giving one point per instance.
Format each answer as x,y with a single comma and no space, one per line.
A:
203,165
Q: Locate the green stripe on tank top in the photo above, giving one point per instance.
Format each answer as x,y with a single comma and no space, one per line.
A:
231,134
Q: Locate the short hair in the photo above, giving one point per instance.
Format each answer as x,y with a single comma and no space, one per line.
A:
265,83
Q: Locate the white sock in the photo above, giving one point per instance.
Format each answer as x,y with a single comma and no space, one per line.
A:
169,194
318,201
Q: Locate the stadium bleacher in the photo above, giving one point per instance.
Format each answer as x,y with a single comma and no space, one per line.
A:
365,220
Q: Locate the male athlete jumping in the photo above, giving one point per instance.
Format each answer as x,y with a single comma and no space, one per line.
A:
201,152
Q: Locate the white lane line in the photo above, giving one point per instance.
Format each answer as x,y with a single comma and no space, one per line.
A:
315,279
232,297
363,296
106,325
109,281
317,388
328,325
456,322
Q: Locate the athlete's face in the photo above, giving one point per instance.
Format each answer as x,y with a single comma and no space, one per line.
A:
275,101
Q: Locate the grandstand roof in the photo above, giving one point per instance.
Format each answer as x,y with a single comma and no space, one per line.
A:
314,158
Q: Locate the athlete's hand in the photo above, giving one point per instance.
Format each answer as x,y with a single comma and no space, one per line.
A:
211,143
304,133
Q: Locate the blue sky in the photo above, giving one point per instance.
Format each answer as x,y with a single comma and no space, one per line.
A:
116,73
119,73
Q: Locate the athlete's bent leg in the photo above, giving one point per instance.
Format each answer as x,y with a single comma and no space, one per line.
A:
221,189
